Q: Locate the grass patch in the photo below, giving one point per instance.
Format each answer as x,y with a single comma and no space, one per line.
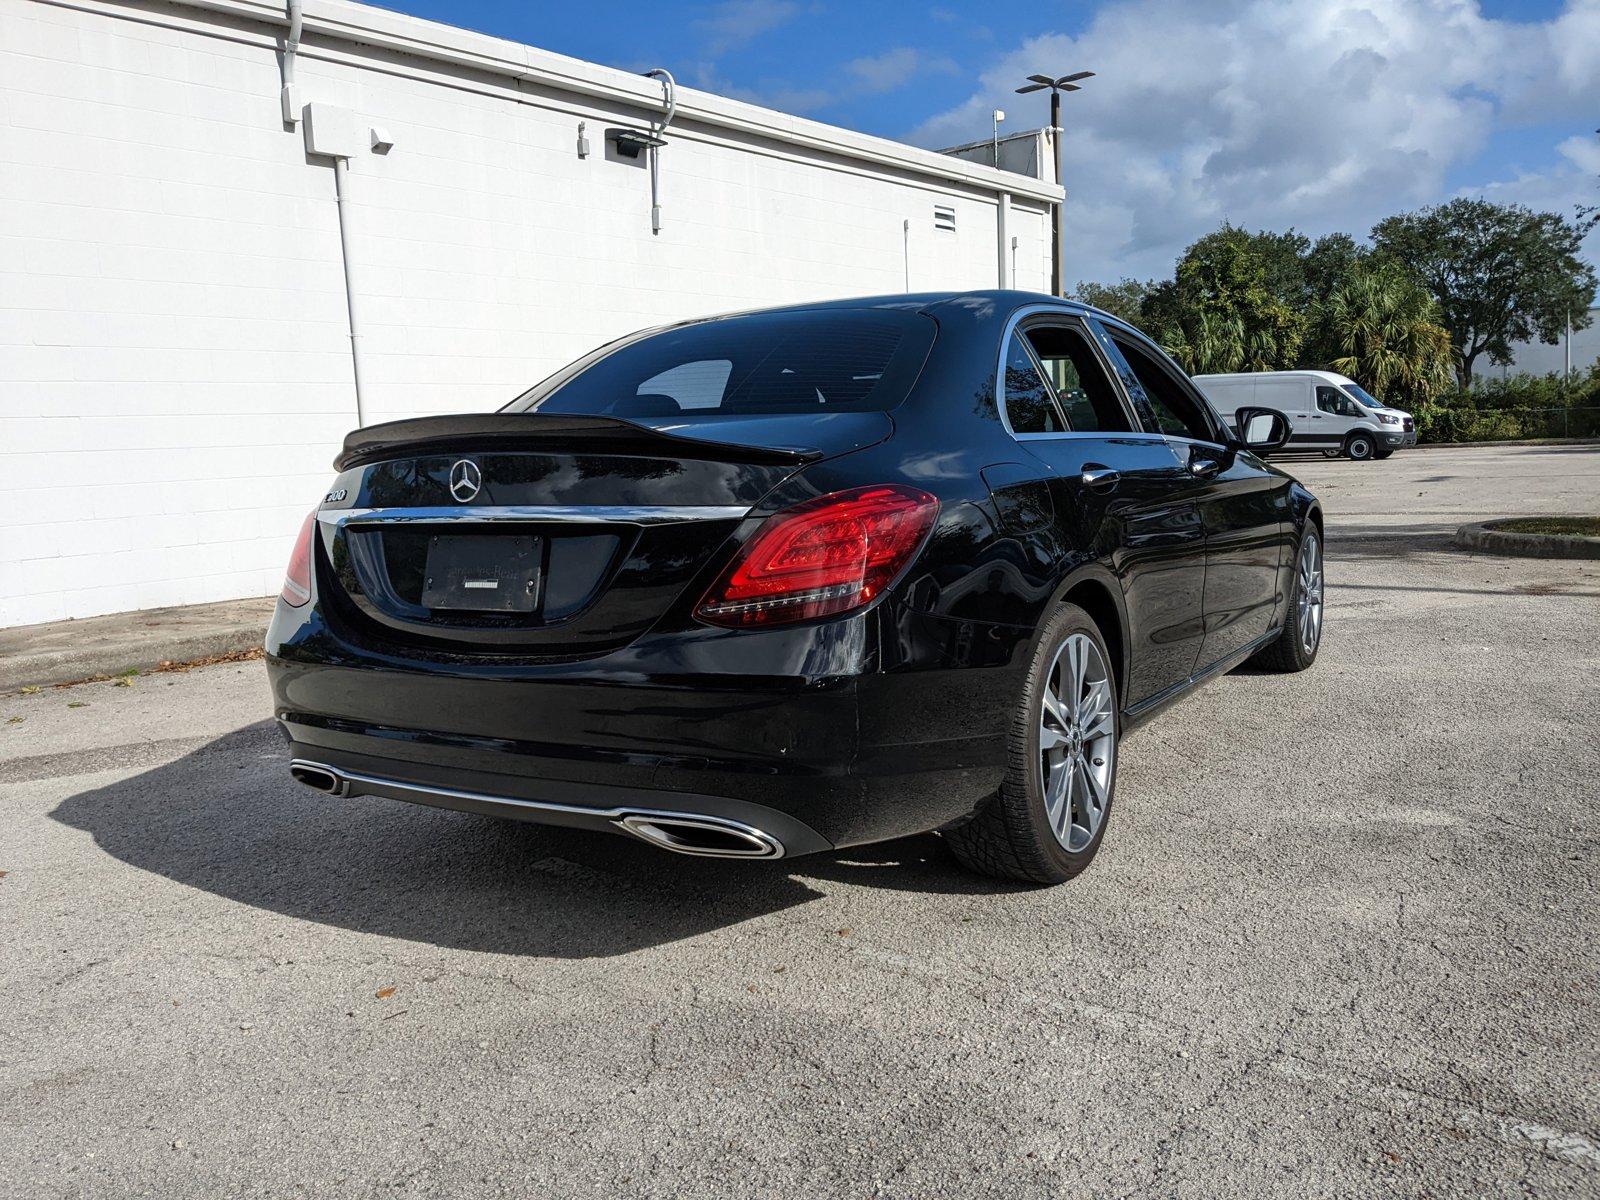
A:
1551,526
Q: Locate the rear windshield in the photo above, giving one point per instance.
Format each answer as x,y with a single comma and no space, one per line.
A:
851,360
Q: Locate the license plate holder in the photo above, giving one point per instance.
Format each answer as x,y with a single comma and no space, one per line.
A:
482,572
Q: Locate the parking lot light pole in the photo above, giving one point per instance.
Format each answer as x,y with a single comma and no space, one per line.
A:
1065,83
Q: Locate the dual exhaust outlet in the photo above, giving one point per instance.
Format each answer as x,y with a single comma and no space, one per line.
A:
683,833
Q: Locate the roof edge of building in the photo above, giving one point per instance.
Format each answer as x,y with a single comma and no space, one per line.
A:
364,24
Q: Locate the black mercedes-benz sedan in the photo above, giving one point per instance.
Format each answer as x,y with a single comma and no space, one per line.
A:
785,581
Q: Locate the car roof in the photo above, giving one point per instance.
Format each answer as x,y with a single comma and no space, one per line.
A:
978,304
1307,373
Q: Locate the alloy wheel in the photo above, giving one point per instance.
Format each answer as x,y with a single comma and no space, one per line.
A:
1310,600
1077,742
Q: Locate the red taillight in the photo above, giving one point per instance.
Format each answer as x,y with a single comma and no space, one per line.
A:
297,581
821,558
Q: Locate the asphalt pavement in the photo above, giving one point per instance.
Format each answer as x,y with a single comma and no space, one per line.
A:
1340,942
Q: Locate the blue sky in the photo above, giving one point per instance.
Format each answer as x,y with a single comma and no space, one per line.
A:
1317,114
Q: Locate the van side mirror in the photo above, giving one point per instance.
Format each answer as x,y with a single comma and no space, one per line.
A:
1261,430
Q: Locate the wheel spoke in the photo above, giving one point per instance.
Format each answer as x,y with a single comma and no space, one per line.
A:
1102,726
1060,813
1050,738
1095,786
1080,669
1090,802
1054,708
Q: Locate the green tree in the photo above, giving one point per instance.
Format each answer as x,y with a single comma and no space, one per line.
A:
1124,299
1328,262
1501,273
1220,311
1282,257
1380,326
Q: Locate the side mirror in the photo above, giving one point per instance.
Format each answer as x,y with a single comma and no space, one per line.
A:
1261,430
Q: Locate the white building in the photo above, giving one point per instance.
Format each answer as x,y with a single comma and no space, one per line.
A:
175,359
1542,358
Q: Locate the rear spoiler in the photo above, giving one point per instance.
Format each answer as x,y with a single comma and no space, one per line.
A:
476,433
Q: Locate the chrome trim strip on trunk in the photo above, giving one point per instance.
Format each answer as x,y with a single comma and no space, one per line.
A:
575,514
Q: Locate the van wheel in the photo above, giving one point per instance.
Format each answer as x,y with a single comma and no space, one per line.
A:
1360,446
1047,820
1383,452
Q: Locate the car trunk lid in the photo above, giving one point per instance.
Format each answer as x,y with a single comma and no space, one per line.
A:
530,534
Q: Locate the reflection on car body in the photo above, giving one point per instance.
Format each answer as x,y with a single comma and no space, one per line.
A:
775,583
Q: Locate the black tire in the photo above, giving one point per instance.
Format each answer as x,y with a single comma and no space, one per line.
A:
1383,452
1361,447
1010,836
1287,652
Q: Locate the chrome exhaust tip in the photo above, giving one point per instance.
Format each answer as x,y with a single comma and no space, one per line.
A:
707,837
315,775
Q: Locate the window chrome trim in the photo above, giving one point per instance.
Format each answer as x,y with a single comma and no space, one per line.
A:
1099,435
1078,320
575,514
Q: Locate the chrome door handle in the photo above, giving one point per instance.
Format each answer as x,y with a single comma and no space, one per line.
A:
1097,476
1204,466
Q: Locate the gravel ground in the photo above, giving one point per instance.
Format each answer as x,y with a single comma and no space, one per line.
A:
1340,942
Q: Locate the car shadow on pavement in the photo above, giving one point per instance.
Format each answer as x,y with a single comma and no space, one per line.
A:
226,819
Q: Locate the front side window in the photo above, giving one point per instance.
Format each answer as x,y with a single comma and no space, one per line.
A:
765,364
1081,385
1030,408
1175,411
1332,400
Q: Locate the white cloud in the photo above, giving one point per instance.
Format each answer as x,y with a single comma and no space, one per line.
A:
1575,179
877,73
870,75
1321,114
735,23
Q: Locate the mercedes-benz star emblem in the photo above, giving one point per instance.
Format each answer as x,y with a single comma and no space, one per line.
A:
465,479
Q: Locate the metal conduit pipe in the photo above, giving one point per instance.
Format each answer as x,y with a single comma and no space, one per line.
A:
341,190
669,87
291,46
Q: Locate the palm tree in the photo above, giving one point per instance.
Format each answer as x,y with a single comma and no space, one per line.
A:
1381,327
1206,341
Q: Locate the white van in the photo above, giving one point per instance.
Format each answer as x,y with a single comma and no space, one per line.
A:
1326,412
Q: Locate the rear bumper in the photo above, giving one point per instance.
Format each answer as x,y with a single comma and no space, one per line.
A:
800,735
711,826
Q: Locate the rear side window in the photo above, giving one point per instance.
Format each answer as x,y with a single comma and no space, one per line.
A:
1029,406
765,364
1081,385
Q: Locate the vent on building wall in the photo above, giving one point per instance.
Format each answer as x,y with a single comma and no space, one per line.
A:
944,217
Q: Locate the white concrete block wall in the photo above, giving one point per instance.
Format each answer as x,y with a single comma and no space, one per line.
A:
174,362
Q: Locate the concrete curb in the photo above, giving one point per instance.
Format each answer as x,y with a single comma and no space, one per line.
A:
1484,537
67,651
1577,441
